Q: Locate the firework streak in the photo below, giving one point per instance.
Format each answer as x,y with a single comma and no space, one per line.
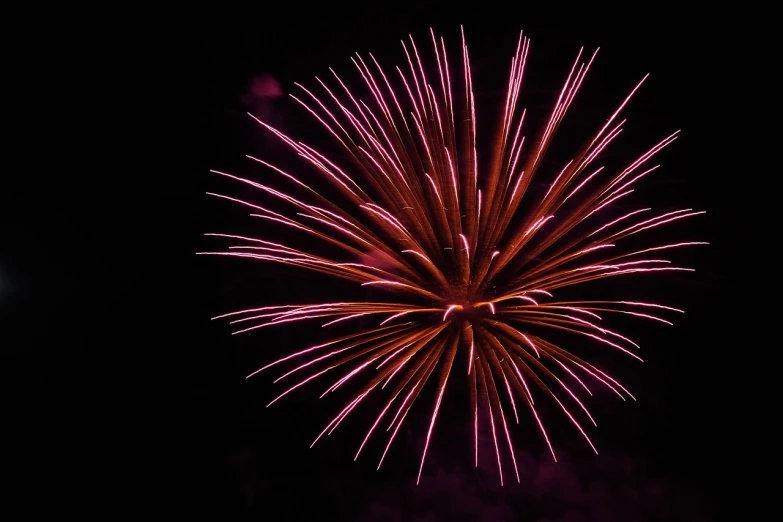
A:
468,269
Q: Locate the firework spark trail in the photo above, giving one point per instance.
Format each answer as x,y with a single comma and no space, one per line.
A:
462,273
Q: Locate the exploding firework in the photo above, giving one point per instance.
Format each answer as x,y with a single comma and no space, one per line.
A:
467,267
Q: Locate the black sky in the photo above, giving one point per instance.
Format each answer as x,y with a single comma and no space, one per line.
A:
121,388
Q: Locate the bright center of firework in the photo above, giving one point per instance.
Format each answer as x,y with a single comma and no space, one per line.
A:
466,310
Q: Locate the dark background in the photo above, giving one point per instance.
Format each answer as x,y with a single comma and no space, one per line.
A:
123,396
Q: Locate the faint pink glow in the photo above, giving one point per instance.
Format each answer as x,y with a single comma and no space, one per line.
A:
265,86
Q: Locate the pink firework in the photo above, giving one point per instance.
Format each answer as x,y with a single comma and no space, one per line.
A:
470,271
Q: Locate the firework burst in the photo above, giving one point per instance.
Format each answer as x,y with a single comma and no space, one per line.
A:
471,273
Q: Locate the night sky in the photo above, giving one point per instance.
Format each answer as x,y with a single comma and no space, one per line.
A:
125,396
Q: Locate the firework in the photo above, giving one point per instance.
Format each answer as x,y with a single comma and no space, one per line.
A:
470,271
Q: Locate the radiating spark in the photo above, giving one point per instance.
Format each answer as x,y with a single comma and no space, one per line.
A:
538,291
465,242
391,318
533,346
343,319
449,310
